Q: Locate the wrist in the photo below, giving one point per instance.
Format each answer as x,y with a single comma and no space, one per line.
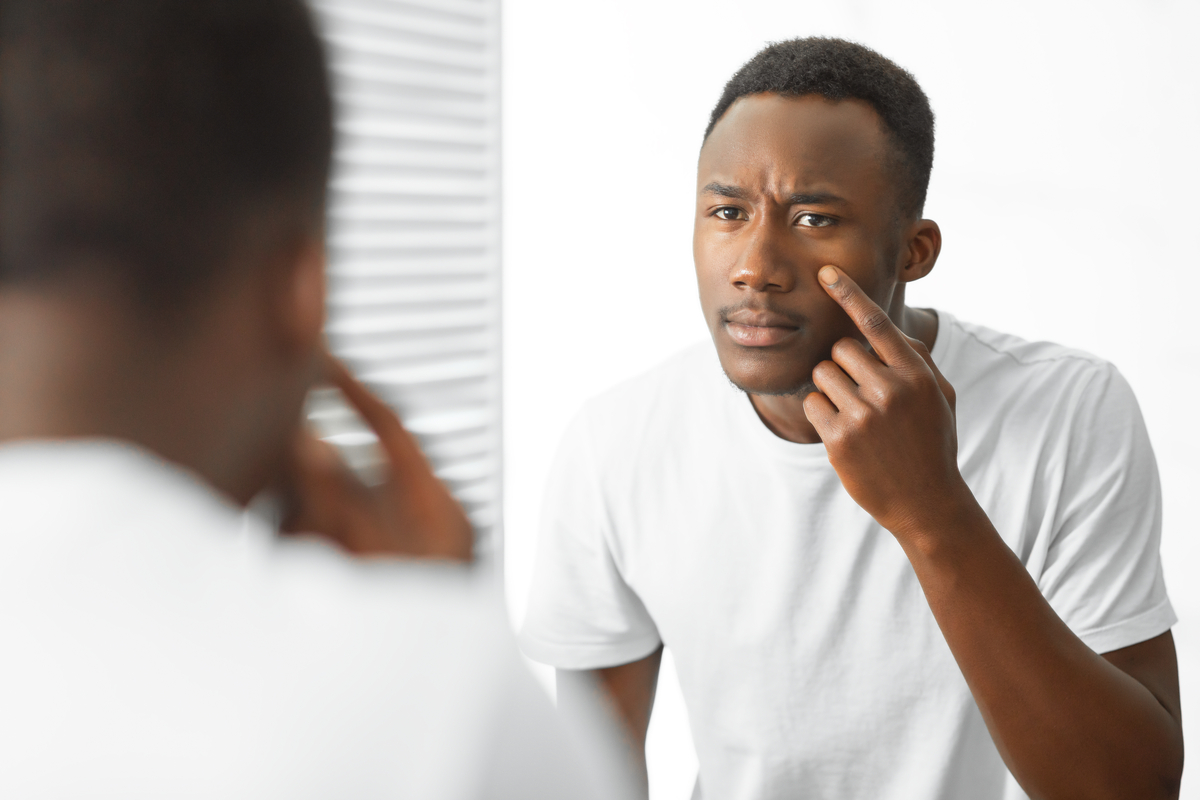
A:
945,517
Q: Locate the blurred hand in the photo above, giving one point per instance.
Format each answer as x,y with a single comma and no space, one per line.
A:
411,513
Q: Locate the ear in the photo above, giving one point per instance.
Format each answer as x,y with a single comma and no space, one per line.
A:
299,294
922,244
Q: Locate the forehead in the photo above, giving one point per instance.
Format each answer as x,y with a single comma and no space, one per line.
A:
771,143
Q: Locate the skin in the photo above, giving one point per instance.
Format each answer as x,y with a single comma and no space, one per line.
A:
846,362
218,388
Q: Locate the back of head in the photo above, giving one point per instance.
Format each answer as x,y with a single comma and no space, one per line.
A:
142,141
839,70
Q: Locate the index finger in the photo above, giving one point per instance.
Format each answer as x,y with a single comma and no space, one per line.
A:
394,438
882,334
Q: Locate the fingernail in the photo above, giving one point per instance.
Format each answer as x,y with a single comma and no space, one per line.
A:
828,276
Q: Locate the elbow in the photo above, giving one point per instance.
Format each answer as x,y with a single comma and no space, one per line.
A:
1170,775
1158,778
1157,769
1171,778
1151,771
1166,787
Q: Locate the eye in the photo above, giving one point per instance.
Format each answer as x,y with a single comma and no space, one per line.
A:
810,220
731,214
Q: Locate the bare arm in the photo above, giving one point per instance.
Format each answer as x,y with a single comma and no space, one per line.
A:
627,691
1068,722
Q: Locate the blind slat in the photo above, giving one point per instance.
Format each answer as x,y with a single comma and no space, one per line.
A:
386,12
400,348
359,74
423,292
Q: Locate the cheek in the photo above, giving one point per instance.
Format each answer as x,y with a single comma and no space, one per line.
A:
710,275
847,251
876,283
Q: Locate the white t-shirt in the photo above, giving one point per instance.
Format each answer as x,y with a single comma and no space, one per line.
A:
808,657
158,643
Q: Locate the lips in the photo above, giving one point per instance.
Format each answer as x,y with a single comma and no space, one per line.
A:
751,328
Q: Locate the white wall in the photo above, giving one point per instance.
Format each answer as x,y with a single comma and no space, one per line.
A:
1065,183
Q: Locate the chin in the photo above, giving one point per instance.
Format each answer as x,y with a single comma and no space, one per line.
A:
765,375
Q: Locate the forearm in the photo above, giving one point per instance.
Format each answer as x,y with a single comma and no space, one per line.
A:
1067,722
624,694
582,694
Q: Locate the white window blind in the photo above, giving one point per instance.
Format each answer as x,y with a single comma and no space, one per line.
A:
414,233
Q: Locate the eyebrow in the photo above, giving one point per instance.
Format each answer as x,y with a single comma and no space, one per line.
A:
797,199
725,190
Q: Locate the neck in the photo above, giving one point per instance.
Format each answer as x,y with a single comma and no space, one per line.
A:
78,366
784,414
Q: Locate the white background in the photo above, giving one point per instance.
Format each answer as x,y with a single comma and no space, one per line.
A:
1066,183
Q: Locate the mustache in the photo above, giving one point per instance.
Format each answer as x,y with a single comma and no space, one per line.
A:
792,318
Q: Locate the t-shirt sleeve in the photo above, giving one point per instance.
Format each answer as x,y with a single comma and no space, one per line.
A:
1102,571
582,614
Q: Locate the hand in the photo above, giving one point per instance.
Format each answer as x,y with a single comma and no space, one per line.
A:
410,514
886,418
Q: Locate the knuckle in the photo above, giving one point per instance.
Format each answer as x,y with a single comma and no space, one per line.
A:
951,395
875,320
860,415
898,396
843,348
835,437
887,397
813,407
824,369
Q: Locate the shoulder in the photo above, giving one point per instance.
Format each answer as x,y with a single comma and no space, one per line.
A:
978,359
437,607
1032,394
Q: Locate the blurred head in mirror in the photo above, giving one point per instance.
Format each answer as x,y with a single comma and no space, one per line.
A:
162,207
819,152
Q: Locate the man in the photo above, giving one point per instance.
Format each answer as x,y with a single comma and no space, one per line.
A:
163,166
886,562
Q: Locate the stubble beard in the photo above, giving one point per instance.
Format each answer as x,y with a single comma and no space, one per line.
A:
801,391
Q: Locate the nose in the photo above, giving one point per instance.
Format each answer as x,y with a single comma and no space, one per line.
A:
763,265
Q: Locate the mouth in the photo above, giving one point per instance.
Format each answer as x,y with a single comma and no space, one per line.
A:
758,328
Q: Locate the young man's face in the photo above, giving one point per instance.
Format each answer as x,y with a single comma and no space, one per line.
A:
786,186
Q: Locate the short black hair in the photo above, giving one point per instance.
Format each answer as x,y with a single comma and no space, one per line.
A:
840,70
142,139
